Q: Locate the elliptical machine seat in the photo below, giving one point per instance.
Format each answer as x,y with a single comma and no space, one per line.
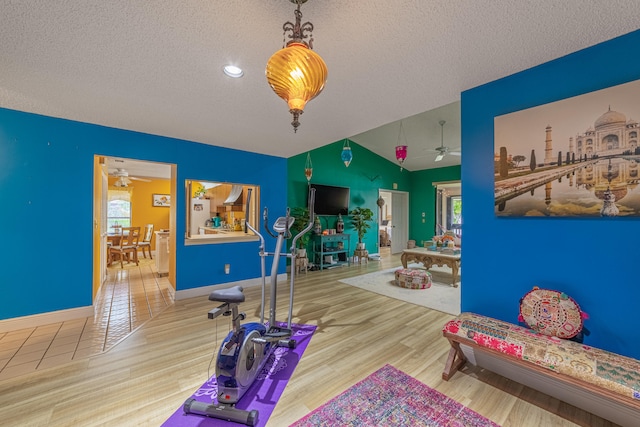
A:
230,295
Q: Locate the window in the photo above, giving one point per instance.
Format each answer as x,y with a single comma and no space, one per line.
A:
455,216
448,208
216,211
118,209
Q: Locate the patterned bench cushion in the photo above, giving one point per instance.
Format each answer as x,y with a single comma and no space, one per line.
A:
607,370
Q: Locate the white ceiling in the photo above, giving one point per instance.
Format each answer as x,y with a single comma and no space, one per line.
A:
156,66
137,168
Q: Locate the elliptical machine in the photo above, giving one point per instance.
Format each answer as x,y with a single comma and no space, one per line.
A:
245,350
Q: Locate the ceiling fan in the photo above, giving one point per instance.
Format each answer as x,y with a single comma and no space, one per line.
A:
442,150
124,179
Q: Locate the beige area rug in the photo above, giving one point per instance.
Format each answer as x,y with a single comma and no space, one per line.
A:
440,296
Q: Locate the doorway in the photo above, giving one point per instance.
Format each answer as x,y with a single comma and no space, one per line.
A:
448,208
393,220
123,190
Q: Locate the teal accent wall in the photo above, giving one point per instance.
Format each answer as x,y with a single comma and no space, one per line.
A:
46,183
423,199
366,174
594,260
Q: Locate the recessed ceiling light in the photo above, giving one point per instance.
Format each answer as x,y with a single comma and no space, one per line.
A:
233,71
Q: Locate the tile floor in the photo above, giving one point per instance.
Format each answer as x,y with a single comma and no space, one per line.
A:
130,297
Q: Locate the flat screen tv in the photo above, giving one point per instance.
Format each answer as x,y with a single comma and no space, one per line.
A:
331,200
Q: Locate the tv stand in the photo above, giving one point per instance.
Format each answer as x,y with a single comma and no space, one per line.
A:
331,250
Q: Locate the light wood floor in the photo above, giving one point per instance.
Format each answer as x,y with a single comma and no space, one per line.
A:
146,377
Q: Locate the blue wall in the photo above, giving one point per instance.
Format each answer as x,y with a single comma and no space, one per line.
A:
592,260
46,184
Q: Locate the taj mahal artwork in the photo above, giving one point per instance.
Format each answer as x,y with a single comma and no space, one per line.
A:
611,135
575,157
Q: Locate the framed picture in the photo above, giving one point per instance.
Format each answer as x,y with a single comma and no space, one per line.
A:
577,157
162,200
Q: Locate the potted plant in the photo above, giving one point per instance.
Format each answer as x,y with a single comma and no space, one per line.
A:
360,219
301,216
199,191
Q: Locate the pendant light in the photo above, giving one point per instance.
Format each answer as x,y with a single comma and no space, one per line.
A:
296,73
308,168
346,154
401,150
380,203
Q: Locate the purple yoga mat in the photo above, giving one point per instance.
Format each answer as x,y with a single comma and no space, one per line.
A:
262,395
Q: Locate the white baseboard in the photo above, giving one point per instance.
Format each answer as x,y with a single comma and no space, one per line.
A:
36,320
206,290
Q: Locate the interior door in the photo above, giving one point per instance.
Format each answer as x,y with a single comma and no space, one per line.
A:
103,226
399,221
100,188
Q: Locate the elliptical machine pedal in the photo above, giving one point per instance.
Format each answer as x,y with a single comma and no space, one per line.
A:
223,412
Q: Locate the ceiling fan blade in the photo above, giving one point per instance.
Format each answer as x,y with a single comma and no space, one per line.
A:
439,157
124,177
455,153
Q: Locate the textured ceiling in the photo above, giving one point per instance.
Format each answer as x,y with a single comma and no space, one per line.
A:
156,66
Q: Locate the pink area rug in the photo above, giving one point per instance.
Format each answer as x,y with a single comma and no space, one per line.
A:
263,394
389,397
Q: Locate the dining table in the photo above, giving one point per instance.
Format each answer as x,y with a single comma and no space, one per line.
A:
114,238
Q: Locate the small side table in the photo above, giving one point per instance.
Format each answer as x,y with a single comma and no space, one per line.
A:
362,255
301,264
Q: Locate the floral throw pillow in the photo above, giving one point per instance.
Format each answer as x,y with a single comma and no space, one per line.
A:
551,313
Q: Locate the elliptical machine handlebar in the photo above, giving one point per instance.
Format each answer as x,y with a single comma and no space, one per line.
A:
285,229
246,221
281,224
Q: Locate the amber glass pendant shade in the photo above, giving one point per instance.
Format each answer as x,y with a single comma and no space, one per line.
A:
296,74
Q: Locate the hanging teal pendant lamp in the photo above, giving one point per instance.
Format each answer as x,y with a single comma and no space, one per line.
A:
346,155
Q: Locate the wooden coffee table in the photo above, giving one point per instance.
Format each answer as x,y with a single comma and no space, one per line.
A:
429,258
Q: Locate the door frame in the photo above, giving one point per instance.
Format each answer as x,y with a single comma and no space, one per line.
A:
100,197
399,219
445,190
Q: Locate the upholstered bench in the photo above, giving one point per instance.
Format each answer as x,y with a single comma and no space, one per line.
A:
413,278
595,380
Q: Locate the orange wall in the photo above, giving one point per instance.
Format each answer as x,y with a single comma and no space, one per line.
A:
142,210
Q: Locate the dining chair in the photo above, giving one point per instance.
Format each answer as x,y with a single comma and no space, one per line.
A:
146,240
113,239
128,245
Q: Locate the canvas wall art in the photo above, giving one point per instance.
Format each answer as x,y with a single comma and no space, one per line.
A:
162,200
577,157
